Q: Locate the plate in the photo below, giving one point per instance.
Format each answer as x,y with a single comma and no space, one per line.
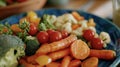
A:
101,25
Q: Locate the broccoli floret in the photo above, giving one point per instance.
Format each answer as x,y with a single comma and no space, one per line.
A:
32,45
11,49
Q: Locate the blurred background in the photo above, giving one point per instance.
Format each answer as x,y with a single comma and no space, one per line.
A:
102,8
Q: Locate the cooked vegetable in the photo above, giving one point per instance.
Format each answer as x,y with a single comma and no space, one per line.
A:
58,45
46,23
32,29
32,45
103,54
65,62
79,49
53,64
15,28
43,37
90,62
11,49
91,22
5,29
77,16
59,54
96,43
55,36
105,37
43,60
75,63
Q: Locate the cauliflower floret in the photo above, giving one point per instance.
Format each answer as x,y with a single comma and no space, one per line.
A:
66,18
105,37
78,31
67,27
92,28
83,24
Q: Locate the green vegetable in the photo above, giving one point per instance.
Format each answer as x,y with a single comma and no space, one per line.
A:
46,23
32,45
5,26
11,49
2,3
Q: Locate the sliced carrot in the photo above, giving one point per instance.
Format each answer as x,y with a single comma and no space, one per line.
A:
58,45
53,64
90,62
103,54
75,26
15,28
75,63
65,61
59,54
79,49
77,16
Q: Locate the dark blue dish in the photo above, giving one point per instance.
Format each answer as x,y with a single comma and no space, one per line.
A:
102,25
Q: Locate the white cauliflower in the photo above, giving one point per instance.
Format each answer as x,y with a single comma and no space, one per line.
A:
66,18
78,31
67,27
105,37
83,24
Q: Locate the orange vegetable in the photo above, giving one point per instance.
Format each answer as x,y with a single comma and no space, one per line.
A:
103,54
58,45
53,64
77,16
26,64
31,59
59,54
15,28
75,26
65,61
75,63
90,62
79,49
91,23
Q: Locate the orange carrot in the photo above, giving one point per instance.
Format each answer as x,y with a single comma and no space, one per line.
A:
79,49
53,64
75,63
90,62
15,28
77,16
103,54
64,43
65,61
91,22
26,64
75,26
31,59
59,54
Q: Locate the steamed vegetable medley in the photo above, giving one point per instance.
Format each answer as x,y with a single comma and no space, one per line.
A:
68,40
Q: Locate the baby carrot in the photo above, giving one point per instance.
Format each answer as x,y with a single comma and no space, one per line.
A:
65,61
75,63
53,64
77,16
15,28
79,49
59,54
58,45
90,62
103,54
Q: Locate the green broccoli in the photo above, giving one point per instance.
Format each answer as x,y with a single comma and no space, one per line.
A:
11,49
46,22
32,45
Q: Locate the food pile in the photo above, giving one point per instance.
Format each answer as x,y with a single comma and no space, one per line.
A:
9,2
68,40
